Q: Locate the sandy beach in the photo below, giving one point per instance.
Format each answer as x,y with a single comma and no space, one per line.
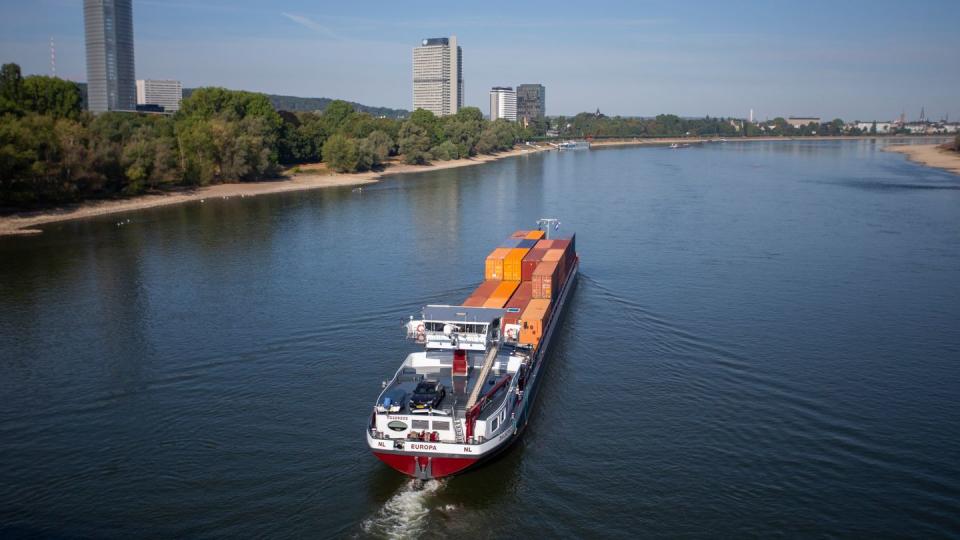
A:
930,155
311,177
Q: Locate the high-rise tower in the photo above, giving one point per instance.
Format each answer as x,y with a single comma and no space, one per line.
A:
531,102
438,76
503,103
111,84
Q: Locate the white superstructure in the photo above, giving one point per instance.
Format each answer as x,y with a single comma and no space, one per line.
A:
503,103
438,76
167,93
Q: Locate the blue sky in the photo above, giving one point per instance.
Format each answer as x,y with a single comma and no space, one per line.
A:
852,59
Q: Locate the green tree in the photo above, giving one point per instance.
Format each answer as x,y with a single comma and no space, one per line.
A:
336,115
414,143
11,83
381,145
51,96
445,151
340,154
487,143
430,124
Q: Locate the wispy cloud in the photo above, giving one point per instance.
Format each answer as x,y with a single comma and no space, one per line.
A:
311,24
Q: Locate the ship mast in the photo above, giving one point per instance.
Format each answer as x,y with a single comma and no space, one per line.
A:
546,224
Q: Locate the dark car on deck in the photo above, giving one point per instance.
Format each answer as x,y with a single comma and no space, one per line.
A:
427,395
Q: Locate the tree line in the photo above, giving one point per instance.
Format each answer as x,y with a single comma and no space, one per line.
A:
598,125
52,151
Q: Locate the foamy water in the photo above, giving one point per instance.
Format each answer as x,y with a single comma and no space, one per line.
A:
405,514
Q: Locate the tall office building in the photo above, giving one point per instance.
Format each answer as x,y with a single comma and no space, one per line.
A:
503,103
109,34
531,102
165,93
438,76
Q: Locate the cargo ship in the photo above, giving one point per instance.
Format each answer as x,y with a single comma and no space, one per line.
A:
467,394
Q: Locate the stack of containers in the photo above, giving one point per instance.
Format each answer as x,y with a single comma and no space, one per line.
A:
518,303
523,276
530,262
546,280
494,264
499,297
480,295
512,262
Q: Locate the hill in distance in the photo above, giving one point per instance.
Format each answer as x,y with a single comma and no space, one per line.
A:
298,104
305,104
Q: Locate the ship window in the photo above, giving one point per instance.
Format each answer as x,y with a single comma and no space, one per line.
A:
420,424
441,426
493,425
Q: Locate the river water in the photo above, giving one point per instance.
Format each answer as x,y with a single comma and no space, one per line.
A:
765,339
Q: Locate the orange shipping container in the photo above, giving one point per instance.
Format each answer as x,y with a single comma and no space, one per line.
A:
534,235
494,264
545,280
481,293
557,256
530,262
533,320
544,244
512,268
499,297
518,303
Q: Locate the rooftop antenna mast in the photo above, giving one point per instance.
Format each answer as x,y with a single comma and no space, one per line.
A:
546,224
53,58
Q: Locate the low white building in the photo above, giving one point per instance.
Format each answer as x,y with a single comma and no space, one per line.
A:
882,127
800,121
165,93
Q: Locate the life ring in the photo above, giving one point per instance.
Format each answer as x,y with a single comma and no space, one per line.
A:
512,333
420,328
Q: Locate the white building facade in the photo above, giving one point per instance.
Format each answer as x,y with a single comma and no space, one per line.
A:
503,103
166,93
438,76
882,127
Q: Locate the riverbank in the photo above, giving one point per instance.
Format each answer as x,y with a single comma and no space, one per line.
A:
310,177
931,155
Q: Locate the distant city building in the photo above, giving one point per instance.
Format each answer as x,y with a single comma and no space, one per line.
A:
882,127
111,84
800,121
438,76
165,93
503,103
531,102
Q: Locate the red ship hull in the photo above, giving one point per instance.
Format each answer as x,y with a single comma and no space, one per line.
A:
438,466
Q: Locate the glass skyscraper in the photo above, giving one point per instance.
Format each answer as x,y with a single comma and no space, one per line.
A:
111,84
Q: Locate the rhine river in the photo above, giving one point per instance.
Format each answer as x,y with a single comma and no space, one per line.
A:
765,339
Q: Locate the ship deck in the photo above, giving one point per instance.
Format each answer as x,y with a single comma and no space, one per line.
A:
458,388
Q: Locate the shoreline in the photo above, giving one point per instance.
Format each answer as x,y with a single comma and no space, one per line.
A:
930,155
315,176
26,223
693,140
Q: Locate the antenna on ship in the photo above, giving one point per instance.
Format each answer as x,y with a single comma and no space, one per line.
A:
546,224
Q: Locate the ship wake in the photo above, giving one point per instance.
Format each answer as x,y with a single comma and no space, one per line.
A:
404,515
